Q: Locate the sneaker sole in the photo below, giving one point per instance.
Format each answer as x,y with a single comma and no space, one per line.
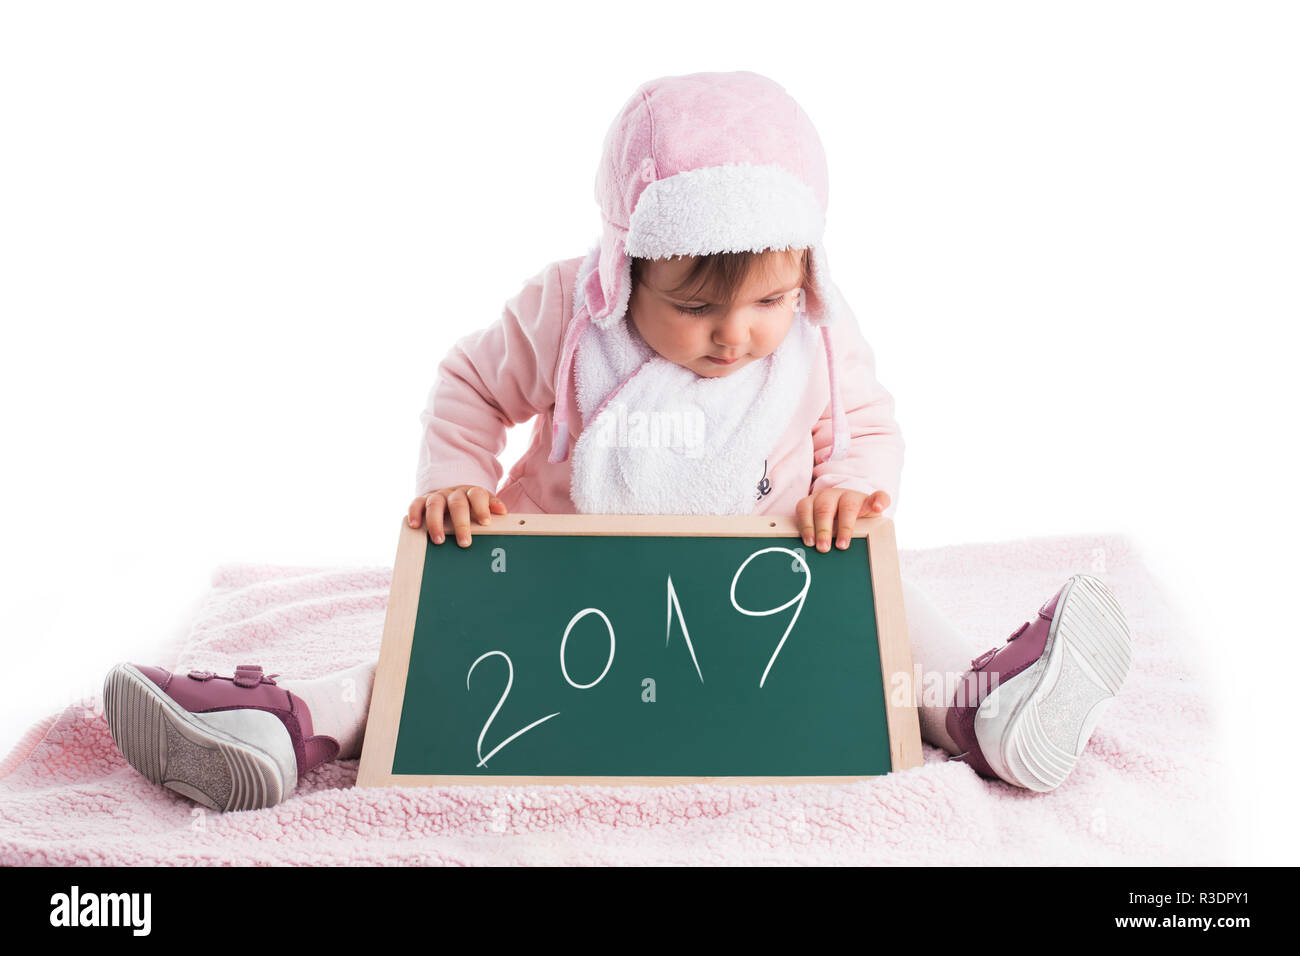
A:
205,757
1037,741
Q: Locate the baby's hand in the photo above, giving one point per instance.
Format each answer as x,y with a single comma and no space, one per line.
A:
458,499
817,513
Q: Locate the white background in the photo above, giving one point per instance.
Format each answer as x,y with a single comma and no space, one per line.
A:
237,238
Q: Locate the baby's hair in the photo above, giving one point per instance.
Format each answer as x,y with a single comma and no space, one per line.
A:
722,274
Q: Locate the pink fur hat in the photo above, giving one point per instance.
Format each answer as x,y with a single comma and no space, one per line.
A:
701,164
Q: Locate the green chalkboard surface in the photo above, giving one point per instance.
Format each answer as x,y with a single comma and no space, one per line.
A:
635,655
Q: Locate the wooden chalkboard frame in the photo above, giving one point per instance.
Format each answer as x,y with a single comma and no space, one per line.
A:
389,691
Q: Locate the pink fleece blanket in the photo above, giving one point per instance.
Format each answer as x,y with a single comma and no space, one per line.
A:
1146,790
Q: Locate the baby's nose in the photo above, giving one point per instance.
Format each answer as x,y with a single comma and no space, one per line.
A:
732,334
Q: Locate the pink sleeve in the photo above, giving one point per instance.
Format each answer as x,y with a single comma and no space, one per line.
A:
496,377
875,458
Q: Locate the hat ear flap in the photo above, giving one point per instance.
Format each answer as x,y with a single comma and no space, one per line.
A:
610,286
818,294
593,292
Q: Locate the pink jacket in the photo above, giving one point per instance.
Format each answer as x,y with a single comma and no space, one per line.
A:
506,375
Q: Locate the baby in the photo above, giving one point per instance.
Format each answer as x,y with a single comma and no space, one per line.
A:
706,302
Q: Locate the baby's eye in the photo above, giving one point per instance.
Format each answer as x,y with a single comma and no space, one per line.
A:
701,309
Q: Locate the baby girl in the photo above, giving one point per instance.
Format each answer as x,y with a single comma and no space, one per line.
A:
707,297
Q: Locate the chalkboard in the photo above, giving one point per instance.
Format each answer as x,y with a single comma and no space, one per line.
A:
640,650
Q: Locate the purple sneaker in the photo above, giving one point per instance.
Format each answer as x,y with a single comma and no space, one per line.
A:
229,743
1025,711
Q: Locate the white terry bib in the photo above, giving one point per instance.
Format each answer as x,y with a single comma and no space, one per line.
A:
659,439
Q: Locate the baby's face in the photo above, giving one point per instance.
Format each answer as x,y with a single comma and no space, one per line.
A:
699,334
